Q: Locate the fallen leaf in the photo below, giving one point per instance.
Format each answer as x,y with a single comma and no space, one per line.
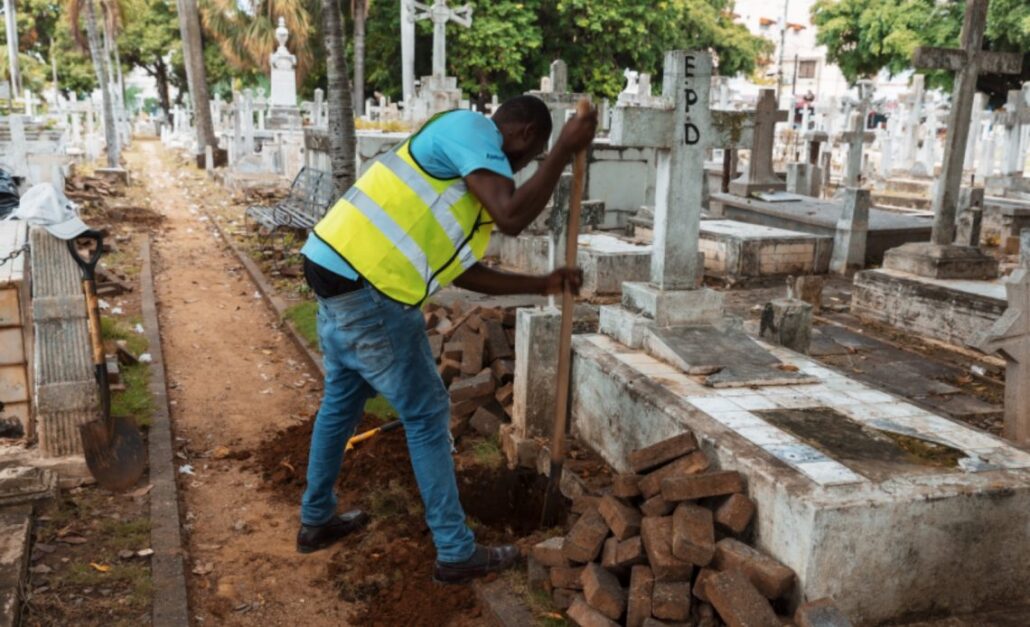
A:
220,452
787,367
141,492
72,540
204,569
100,568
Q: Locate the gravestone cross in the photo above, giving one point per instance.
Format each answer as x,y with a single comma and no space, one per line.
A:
440,14
1010,336
967,62
1016,114
681,126
857,135
915,113
759,175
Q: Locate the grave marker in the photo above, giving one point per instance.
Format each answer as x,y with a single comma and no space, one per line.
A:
439,13
759,175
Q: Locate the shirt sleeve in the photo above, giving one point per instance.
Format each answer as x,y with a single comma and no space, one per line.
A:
470,142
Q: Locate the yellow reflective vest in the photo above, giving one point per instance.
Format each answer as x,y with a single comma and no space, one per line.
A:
404,231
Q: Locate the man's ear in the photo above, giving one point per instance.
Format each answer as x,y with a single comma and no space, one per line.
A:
529,133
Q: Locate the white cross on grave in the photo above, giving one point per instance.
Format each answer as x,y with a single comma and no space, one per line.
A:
681,126
941,258
759,175
855,138
1010,336
440,14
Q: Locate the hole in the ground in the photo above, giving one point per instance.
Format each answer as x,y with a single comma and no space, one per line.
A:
505,501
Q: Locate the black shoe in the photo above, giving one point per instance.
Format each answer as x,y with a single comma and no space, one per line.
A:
486,560
311,538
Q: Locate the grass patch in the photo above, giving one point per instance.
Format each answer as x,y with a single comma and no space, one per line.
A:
487,452
134,400
114,329
304,317
130,535
135,577
380,408
392,500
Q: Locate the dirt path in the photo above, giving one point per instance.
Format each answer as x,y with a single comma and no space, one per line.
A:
235,379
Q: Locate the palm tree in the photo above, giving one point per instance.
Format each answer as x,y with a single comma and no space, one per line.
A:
341,109
100,61
196,76
359,11
247,38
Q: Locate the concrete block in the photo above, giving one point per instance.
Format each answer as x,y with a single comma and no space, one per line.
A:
625,486
692,464
738,603
622,519
693,534
473,387
673,307
608,554
549,552
933,261
641,589
473,354
15,534
630,552
648,458
536,369
567,577
769,576
486,422
671,600
791,324
849,241
657,537
735,513
584,541
585,616
656,506
701,582
693,487
602,591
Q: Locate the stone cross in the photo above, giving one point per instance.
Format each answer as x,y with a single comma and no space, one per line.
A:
1016,114
681,126
440,14
979,104
915,113
856,137
924,167
1010,336
849,240
967,62
759,175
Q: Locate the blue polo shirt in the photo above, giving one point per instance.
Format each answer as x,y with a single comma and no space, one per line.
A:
455,144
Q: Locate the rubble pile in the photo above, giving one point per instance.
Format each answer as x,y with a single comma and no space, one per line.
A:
667,546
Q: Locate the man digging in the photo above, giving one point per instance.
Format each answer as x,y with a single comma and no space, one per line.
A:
418,220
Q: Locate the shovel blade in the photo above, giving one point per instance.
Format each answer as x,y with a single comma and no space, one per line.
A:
115,457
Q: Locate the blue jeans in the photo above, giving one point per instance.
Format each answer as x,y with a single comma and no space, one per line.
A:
372,344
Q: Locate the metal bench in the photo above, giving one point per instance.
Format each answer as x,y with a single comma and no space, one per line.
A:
311,193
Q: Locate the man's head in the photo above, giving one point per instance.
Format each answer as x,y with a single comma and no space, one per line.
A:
525,124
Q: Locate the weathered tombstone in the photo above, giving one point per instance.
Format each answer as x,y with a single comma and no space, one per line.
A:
970,217
925,166
560,102
759,175
856,137
438,92
849,240
788,322
979,104
1010,336
283,111
941,258
915,113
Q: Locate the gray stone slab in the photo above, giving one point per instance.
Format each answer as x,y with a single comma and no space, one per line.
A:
26,484
15,525
887,229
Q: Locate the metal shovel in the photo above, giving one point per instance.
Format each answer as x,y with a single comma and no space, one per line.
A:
113,446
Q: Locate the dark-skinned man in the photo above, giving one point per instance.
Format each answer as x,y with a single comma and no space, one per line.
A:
419,219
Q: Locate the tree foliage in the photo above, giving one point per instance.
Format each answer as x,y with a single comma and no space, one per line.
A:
865,36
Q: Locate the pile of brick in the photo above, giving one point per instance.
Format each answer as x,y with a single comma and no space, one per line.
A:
666,547
474,350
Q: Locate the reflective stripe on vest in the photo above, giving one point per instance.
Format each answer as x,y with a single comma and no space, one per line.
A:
406,232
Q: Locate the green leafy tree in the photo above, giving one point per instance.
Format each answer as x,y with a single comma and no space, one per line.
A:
866,36
494,54
149,40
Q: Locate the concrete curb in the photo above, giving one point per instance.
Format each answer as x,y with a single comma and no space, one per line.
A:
171,603
270,297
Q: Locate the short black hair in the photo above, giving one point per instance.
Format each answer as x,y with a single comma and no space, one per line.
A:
525,110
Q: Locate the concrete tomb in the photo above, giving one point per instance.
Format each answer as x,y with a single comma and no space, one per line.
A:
438,92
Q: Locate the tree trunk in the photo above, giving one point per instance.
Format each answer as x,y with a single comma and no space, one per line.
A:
196,76
161,76
100,66
338,99
360,15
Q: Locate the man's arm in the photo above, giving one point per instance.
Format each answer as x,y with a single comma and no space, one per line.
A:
484,280
514,209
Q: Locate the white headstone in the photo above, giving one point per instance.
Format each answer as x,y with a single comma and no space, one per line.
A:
284,74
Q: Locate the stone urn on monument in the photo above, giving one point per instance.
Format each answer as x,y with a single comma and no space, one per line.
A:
283,112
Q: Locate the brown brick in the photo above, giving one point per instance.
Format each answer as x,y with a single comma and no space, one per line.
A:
654,622
562,598
665,451
486,421
693,534
583,502
706,616
656,506
504,370
459,427
436,346
568,577
474,387
626,486
549,552
820,613
602,591
769,576
475,322
735,513
584,541
641,587
473,354
622,519
452,351
449,369
505,393
671,600
497,346
701,581
738,602
585,616
657,536
692,464
609,553
630,553
467,407
693,487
